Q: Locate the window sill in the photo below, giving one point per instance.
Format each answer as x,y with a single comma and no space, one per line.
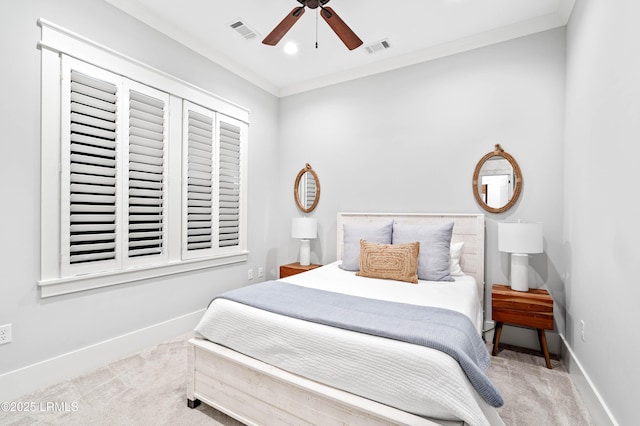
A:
60,286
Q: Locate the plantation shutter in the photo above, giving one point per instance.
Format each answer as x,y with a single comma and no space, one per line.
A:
146,179
137,181
93,170
199,127
229,184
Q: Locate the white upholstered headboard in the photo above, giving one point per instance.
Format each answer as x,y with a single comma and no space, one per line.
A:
467,227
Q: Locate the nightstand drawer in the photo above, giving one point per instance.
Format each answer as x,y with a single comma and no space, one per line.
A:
528,319
531,309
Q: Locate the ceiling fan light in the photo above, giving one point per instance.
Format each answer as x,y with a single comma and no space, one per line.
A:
290,48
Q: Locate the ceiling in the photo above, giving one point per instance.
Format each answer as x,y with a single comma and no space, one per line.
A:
416,30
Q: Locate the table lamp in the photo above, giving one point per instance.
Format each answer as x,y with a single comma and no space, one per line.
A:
520,239
304,228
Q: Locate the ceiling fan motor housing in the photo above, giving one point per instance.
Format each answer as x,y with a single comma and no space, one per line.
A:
313,4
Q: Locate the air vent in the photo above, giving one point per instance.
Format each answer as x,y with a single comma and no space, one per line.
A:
378,46
243,29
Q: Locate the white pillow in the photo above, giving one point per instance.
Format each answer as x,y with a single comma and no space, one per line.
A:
456,251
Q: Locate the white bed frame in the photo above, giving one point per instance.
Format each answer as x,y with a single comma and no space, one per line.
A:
256,393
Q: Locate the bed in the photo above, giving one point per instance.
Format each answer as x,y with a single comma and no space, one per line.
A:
263,368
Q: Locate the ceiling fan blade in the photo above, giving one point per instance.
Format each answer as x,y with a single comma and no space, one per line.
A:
285,25
342,30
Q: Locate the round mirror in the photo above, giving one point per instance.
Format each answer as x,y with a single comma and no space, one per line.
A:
497,181
306,189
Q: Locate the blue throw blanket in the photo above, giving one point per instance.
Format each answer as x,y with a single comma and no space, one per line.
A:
442,329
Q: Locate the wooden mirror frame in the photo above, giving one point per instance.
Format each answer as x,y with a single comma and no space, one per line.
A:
307,169
498,152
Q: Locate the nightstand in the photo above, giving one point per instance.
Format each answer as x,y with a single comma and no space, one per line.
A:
533,308
295,268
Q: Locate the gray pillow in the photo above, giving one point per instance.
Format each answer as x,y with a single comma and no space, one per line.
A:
434,261
372,232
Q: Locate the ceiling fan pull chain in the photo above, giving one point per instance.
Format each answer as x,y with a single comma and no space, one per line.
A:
317,12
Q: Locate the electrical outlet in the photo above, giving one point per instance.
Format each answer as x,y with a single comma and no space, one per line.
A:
582,330
260,272
250,274
5,334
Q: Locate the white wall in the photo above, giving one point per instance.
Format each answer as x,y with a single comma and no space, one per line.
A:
409,140
47,328
601,226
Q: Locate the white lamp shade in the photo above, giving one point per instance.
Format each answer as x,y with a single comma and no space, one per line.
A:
520,237
304,228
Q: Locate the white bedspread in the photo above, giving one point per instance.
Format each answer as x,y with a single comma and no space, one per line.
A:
412,378
461,295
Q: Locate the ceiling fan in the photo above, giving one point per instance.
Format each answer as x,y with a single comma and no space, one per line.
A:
348,37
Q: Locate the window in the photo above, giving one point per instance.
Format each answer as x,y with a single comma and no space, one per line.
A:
138,180
113,180
213,182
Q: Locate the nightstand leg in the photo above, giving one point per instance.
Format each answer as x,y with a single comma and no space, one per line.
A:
496,338
543,346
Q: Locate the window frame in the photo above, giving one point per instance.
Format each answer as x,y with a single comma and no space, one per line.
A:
56,44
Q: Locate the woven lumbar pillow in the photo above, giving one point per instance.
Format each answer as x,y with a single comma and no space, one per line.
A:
389,261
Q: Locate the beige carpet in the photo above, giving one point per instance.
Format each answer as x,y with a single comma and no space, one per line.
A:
149,388
533,394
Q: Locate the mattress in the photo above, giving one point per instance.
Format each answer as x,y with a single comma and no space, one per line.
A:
412,378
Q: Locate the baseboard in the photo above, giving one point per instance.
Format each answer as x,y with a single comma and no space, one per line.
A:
17,383
590,395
